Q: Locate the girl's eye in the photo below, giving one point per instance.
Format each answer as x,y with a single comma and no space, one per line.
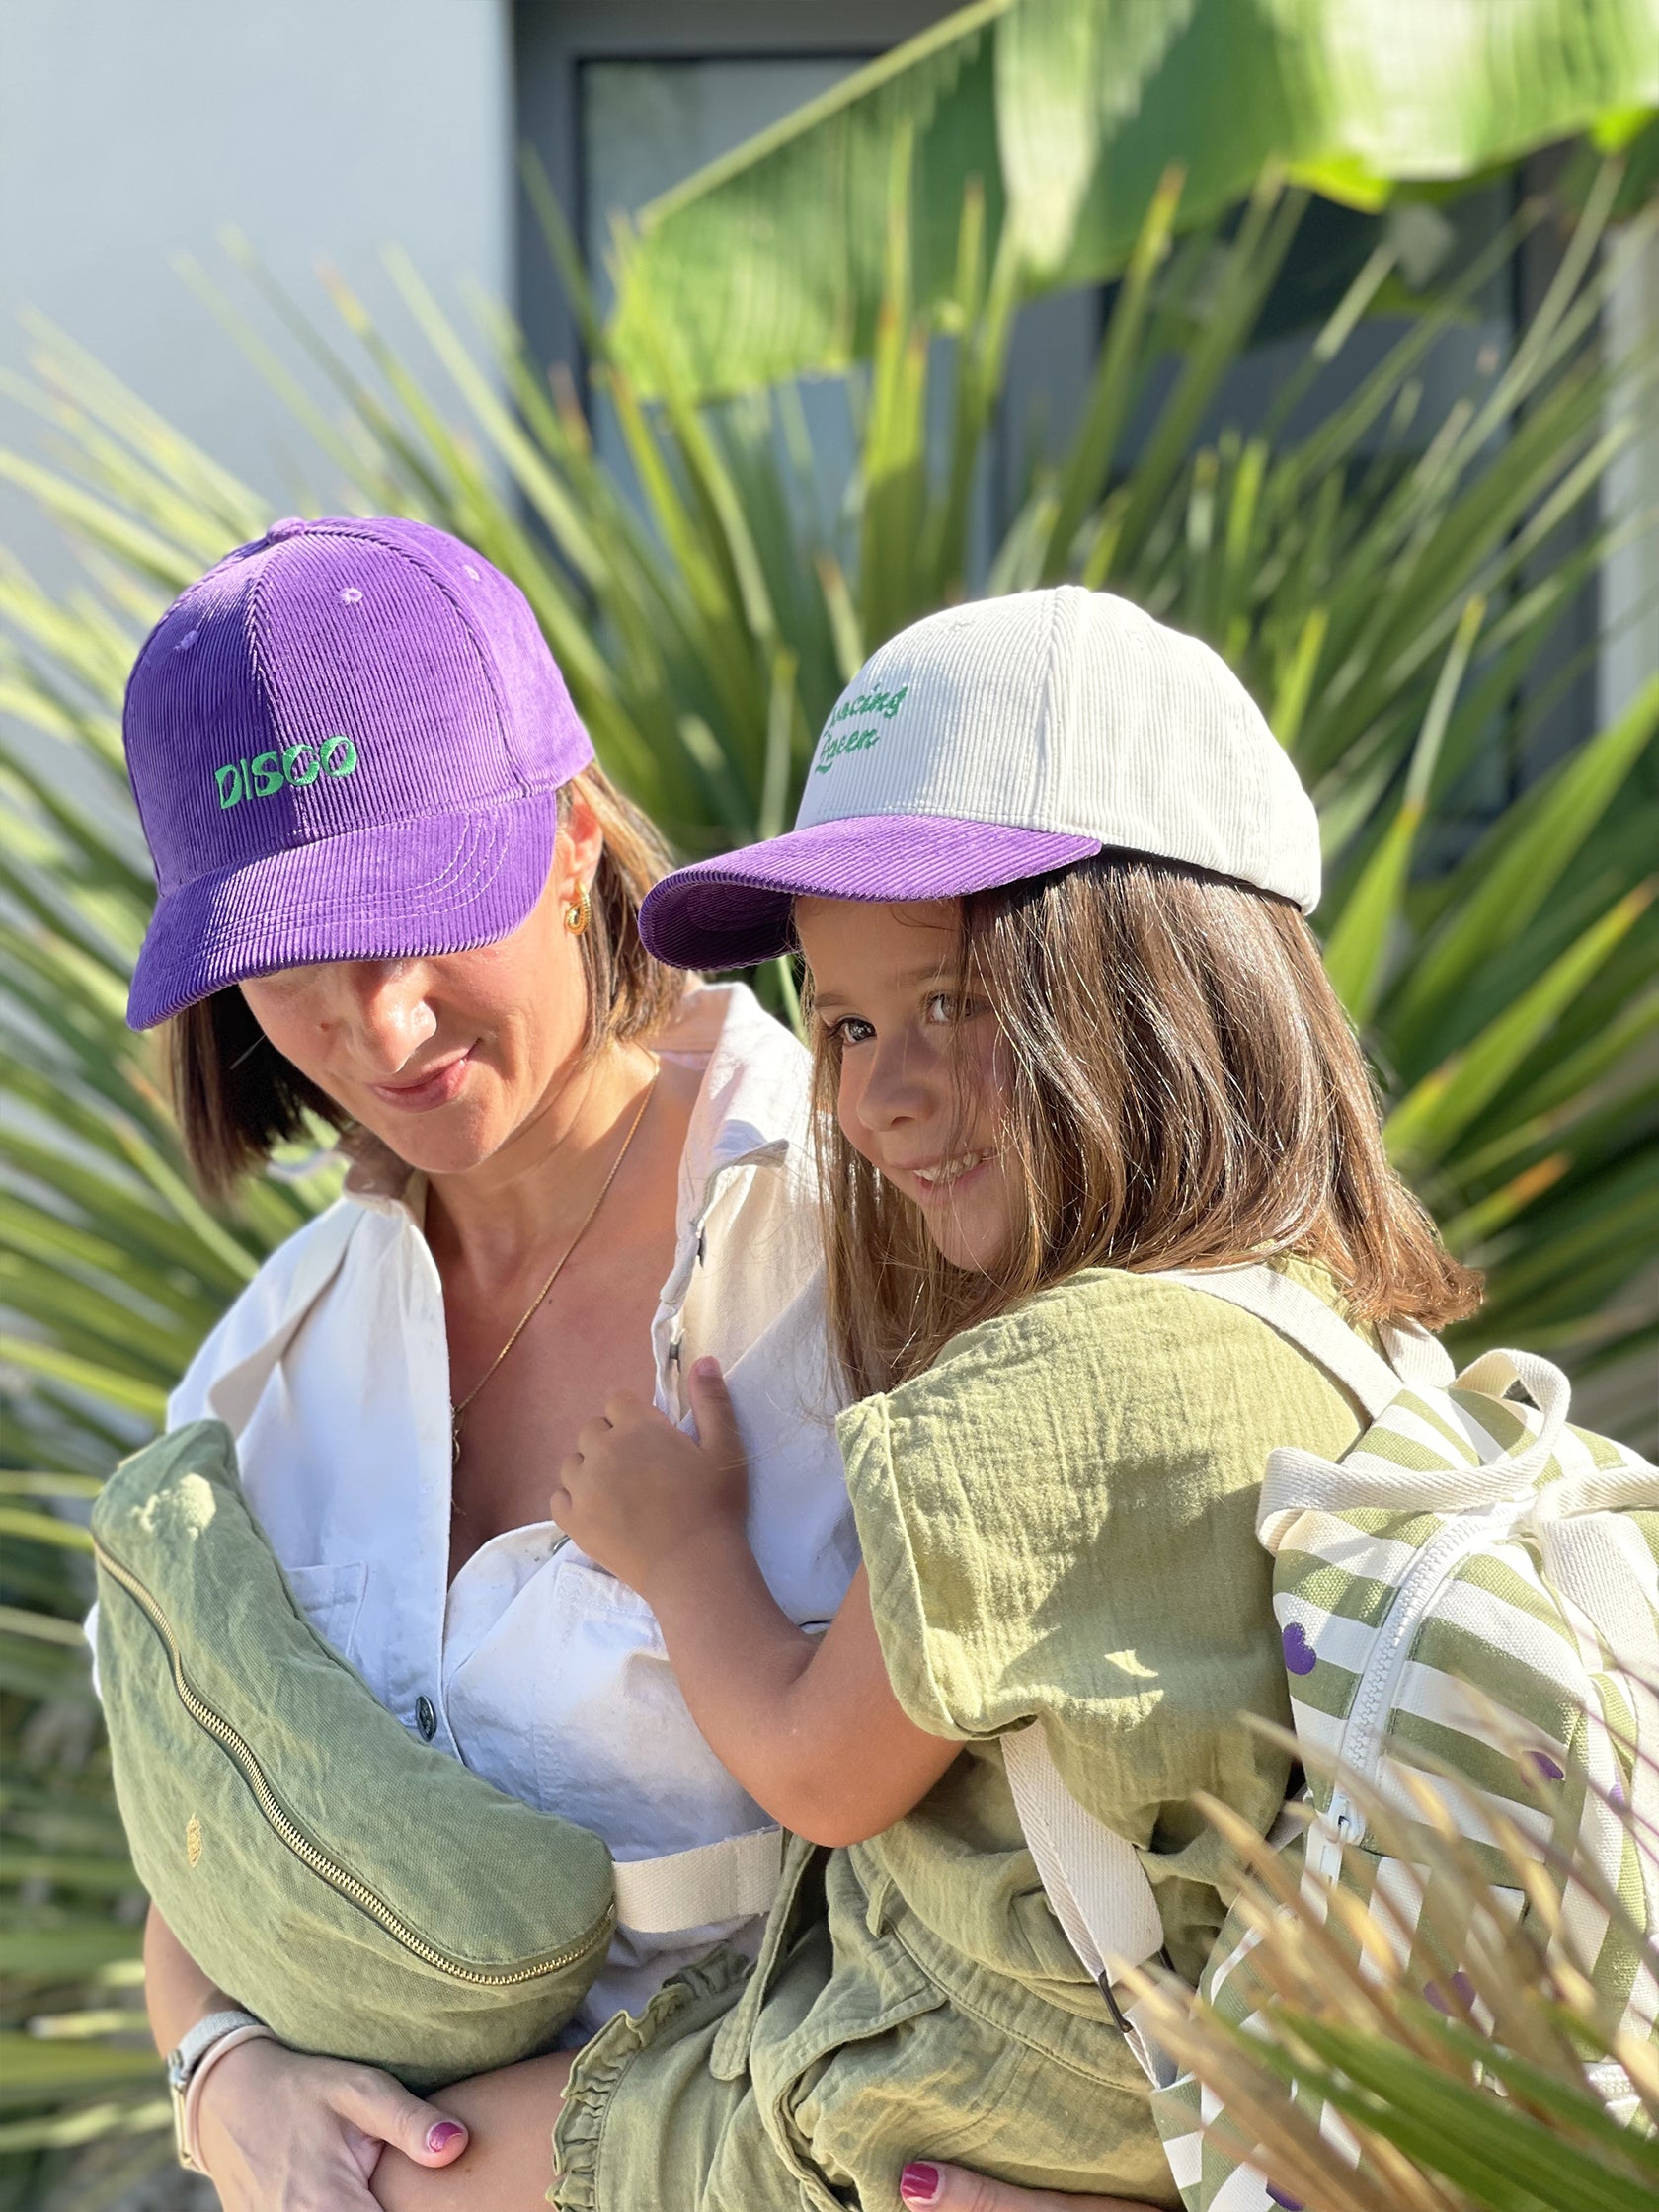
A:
851,1030
945,1009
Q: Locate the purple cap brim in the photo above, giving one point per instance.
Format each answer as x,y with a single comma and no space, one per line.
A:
736,910
440,883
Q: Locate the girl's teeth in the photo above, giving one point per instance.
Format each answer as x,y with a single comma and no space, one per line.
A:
951,1169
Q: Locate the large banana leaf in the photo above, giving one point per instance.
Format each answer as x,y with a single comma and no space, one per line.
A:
1384,599
1064,114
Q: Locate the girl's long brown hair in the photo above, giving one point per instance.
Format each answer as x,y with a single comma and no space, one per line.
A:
1181,1090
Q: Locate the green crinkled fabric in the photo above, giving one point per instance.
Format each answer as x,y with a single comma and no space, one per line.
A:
1058,1522
364,1894
809,2084
699,1998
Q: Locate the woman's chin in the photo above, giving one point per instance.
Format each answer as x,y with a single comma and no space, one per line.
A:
450,1141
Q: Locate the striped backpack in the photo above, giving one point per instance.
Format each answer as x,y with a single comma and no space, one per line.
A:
1476,1585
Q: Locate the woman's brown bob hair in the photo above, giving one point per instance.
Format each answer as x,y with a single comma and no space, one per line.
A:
237,1100
1182,1090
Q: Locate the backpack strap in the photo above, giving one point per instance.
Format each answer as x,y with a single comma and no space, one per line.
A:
1095,1882
736,1878
1417,1355
1300,1314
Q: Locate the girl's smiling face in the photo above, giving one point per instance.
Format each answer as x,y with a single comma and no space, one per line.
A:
919,1089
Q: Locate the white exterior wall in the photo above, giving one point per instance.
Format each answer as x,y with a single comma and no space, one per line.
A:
134,131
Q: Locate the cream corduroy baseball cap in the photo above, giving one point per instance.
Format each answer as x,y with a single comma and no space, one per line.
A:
999,741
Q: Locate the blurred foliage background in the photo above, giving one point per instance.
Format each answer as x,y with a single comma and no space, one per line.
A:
1394,592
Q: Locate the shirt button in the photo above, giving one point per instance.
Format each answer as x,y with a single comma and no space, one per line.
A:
425,1718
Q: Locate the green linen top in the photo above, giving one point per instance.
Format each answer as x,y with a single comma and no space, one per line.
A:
1058,1522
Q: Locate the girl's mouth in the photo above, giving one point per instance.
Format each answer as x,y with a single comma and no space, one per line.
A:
947,1177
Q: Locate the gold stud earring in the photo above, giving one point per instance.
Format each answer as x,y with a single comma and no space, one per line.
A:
580,912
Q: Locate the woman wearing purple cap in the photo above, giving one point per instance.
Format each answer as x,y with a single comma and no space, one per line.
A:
395,894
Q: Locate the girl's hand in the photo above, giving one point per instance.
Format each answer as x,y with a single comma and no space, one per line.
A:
639,1495
280,2132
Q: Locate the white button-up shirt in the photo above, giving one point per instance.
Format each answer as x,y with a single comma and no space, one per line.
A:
540,1670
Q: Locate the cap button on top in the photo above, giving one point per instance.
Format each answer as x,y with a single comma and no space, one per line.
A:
291,525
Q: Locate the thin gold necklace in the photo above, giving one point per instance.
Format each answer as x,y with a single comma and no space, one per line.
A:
458,1410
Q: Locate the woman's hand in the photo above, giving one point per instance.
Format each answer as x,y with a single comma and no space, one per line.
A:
925,2186
638,1494
280,2132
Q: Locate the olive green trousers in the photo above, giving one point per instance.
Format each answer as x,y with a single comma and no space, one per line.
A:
858,2043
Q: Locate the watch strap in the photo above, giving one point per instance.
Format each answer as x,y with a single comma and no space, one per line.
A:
250,2031
184,2061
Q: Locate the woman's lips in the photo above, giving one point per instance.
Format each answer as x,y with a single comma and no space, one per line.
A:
435,1088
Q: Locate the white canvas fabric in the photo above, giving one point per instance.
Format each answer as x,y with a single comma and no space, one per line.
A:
1074,713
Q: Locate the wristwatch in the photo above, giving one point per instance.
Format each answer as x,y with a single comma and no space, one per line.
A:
185,2063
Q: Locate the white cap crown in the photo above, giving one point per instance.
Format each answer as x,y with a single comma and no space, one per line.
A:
1070,712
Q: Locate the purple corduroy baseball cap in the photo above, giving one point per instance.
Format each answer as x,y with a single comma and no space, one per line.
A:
346,742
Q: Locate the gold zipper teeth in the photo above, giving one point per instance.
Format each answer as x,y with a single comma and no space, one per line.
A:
327,1869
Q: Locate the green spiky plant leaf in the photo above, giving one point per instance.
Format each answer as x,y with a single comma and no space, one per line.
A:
1472,2095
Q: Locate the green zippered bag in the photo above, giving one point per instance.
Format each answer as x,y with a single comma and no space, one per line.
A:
367,1896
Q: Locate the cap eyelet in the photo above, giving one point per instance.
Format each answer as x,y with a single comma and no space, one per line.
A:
467,569
187,641
351,596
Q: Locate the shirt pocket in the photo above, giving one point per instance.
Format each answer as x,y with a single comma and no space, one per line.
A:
615,1747
331,1598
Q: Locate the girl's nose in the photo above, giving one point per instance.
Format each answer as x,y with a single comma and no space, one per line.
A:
901,1086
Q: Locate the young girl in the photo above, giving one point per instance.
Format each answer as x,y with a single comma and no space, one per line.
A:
1070,1031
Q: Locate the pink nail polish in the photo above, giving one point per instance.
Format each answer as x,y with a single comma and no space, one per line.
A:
445,2132
919,2183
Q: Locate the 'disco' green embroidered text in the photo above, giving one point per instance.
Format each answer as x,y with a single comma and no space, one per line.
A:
266,773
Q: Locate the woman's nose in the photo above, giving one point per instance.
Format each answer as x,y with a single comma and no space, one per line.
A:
390,1016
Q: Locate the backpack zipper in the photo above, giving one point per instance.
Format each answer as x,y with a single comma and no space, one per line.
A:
309,1853
1360,1745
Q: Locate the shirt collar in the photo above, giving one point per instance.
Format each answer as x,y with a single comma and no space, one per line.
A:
754,1104
378,1180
